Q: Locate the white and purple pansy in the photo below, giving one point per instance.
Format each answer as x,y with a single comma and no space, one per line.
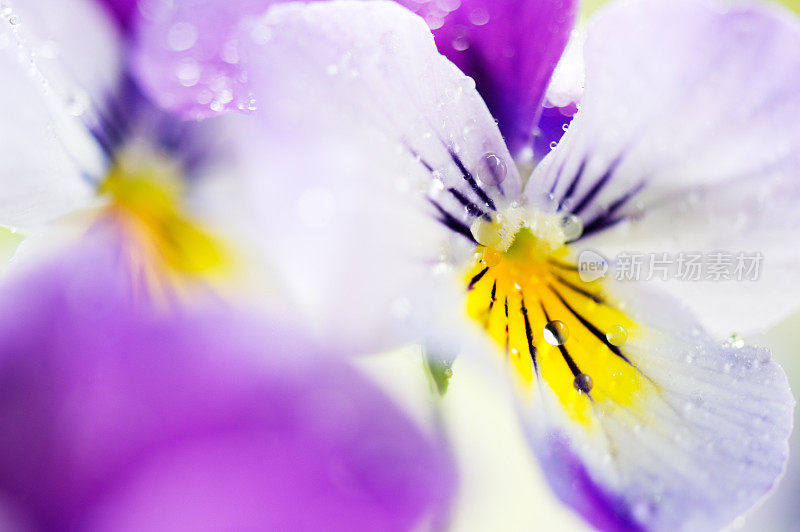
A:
403,218
123,404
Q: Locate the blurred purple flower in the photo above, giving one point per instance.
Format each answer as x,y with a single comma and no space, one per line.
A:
113,418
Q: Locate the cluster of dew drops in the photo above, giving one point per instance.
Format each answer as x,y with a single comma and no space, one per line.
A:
217,87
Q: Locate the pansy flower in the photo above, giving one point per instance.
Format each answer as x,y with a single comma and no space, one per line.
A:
84,144
396,213
116,418
118,412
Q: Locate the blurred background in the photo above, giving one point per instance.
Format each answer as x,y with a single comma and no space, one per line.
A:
502,488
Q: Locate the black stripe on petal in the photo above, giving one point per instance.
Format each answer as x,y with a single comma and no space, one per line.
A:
470,179
472,209
452,223
595,190
529,334
594,330
477,278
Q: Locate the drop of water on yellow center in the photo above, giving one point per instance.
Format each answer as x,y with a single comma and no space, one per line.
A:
618,335
555,332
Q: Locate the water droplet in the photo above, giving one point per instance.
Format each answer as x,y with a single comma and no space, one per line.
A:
565,126
492,169
583,383
553,145
478,17
188,72
460,44
181,36
618,335
492,257
486,233
735,341
555,332
78,103
572,227
248,104
13,20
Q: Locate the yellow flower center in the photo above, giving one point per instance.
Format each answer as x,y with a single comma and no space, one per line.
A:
552,327
146,189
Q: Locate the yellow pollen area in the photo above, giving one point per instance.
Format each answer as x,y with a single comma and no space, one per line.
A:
514,295
145,189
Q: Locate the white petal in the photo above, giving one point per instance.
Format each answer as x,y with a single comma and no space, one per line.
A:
688,131
359,114
59,62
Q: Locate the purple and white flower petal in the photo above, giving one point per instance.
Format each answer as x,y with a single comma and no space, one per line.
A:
509,48
59,64
394,166
118,418
686,140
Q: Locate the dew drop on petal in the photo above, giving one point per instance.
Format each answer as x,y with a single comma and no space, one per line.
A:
572,227
553,145
460,44
583,383
492,257
486,233
617,336
492,170
735,341
181,36
78,103
479,16
188,72
555,332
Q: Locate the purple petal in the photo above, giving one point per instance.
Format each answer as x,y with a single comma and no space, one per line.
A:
123,10
509,47
116,418
190,55
550,128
